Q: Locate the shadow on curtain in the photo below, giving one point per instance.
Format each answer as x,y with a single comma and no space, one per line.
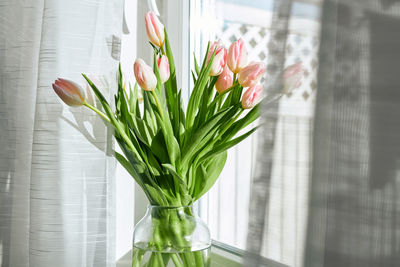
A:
354,193
55,208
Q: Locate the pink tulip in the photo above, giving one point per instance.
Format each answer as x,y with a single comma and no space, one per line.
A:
144,75
163,66
219,61
251,74
154,29
252,97
225,80
69,92
292,76
237,56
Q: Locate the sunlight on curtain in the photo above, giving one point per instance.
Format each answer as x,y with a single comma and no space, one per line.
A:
56,184
280,187
352,182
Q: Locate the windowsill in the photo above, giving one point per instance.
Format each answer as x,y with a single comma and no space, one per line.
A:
219,258
222,255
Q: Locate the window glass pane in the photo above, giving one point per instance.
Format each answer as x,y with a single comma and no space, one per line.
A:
225,207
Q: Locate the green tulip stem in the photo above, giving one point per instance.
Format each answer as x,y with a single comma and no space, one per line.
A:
234,78
231,122
226,128
176,260
158,104
104,116
125,93
162,50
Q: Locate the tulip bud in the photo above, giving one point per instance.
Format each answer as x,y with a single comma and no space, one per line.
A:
292,76
224,81
219,61
163,66
69,92
251,74
154,29
237,56
144,75
252,97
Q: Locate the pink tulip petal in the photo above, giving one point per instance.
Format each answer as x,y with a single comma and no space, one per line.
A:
251,74
292,76
219,58
237,56
252,97
224,80
154,29
144,75
70,96
163,66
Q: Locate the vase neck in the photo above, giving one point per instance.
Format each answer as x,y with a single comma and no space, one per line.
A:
153,208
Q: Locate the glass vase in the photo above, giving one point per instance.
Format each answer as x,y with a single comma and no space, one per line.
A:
171,236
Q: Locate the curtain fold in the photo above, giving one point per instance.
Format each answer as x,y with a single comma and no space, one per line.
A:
354,207
56,183
352,216
260,191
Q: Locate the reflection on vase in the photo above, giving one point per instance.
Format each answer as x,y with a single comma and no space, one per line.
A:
171,236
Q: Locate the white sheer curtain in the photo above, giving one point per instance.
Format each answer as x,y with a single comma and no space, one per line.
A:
56,184
349,215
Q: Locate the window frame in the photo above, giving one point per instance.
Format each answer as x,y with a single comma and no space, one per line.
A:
173,18
176,15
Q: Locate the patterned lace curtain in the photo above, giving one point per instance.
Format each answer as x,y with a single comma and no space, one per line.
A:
349,211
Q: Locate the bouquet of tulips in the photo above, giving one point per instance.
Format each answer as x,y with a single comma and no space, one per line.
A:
176,154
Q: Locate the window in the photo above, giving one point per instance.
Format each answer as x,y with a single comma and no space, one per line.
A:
225,207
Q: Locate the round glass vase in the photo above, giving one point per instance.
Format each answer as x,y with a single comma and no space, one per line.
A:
171,236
